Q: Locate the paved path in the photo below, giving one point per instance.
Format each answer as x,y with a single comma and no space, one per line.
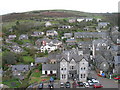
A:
107,83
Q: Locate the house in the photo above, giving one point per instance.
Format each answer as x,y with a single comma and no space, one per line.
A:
117,64
42,60
83,44
47,24
103,35
73,66
16,49
48,47
37,34
80,19
49,69
66,26
51,33
43,41
98,19
56,42
71,41
85,28
88,19
68,35
103,24
23,36
72,20
11,37
17,70
101,63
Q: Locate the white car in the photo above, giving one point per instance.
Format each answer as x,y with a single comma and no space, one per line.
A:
90,82
86,84
95,81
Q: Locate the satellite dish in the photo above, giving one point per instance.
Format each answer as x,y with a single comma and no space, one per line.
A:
104,66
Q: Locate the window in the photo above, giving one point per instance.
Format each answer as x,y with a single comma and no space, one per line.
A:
61,68
63,76
81,75
81,68
64,68
84,68
72,67
84,76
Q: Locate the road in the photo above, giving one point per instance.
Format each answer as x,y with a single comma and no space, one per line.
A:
107,83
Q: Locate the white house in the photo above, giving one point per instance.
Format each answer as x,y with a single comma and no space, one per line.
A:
80,19
51,33
49,69
47,24
11,37
49,48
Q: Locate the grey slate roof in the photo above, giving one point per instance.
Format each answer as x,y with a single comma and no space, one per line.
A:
41,60
20,67
117,59
72,54
49,67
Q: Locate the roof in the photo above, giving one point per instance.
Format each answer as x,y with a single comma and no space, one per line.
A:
117,59
44,39
71,40
49,67
41,60
73,54
20,67
68,34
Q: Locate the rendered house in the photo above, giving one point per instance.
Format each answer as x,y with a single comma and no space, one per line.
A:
103,24
11,37
51,33
80,19
23,36
49,69
49,48
37,34
70,65
47,24
73,66
68,35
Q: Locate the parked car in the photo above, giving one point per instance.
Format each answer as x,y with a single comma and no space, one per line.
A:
40,85
80,84
117,78
67,85
95,80
62,85
97,85
90,82
86,84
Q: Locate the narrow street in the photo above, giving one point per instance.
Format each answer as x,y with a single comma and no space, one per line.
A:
107,83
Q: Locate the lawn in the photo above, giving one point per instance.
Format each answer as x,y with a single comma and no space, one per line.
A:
36,77
26,41
13,83
28,59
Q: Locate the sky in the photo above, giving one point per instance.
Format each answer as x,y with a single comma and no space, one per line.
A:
93,6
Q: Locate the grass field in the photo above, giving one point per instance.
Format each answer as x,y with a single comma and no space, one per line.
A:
28,59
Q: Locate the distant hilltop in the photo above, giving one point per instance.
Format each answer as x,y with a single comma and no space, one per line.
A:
111,17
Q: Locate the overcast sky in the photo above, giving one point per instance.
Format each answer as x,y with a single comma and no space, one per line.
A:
9,6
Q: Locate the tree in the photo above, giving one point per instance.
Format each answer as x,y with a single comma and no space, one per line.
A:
9,58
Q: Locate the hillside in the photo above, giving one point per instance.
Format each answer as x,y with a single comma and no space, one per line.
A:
111,17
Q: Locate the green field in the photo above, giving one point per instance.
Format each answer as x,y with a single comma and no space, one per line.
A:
28,59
